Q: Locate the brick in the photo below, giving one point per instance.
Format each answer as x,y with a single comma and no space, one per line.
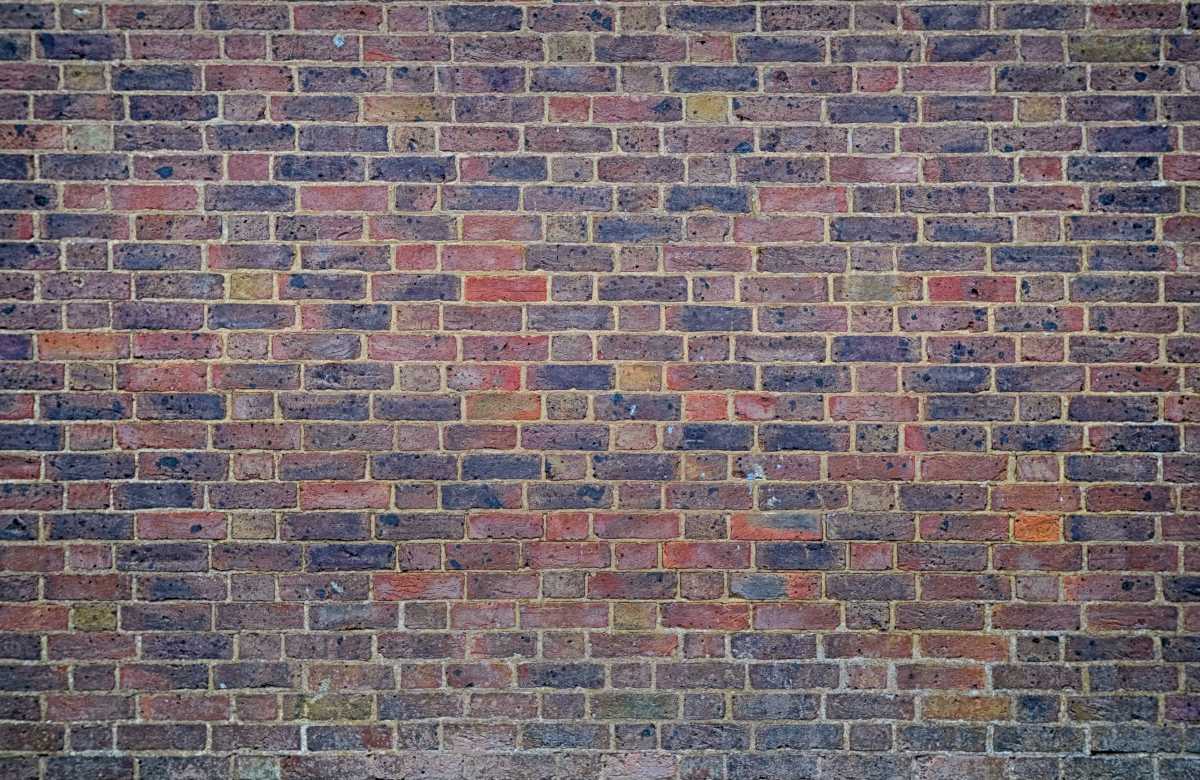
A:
700,78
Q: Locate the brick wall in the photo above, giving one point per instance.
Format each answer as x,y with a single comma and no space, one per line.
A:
611,391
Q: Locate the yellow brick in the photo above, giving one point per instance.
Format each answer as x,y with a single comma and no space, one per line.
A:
406,108
89,138
569,48
258,525
1039,109
336,707
94,617
640,377
88,78
707,108
251,287
504,406
951,707
634,615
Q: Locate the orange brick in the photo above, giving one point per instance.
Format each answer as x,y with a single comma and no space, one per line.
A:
506,288
504,406
82,346
1037,528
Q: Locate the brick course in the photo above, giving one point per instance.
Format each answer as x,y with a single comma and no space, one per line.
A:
612,391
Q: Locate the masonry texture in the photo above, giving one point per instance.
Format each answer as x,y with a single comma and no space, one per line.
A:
604,391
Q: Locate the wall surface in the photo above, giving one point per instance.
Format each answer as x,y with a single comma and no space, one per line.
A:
605,391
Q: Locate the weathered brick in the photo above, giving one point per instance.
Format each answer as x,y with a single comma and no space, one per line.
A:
574,326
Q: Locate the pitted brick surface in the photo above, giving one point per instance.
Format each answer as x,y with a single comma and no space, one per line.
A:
606,391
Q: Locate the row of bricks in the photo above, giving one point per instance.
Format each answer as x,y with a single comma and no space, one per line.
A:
556,632
466,733
546,438
1100,619
793,304
631,228
866,611
700,112
549,495
800,356
429,659
860,672
623,291
664,349
479,613
873,111
863,668
647,337
636,408
766,227
629,168
746,708
641,763
503,18
791,396
1030,492
580,259
862,265
1092,68
602,18
637,295
870,522
494,115
955,448
1021,58
480,748
771,225
1041,551
154,93
313,466
872,52
703,275
783,377
1034,258
872,343
1134,591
